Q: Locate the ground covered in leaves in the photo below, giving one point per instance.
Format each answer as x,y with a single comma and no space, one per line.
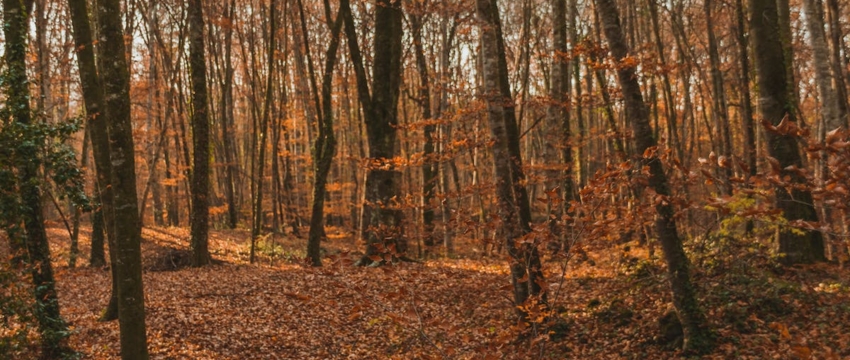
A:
608,304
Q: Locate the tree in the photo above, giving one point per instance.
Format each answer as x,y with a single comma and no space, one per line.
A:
93,99
746,101
777,110
200,137
325,145
227,122
696,334
430,170
263,132
823,70
720,110
838,71
381,117
558,116
513,206
27,160
125,214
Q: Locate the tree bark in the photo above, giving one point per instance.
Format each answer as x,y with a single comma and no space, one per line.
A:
430,168
750,149
128,273
227,124
513,206
776,106
823,70
696,335
324,148
93,98
720,109
46,310
384,232
200,137
558,117
835,35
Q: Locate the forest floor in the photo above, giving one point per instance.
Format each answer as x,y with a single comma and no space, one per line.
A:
608,305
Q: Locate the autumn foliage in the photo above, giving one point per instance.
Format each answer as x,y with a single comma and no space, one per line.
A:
420,179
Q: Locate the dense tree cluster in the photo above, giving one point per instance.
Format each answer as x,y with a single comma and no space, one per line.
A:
528,128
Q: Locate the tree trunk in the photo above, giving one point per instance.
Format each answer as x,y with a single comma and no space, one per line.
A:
384,232
430,168
720,110
78,212
798,246
823,71
227,124
259,176
93,98
200,137
835,34
746,102
696,335
669,102
513,205
116,86
46,310
324,148
558,117
97,258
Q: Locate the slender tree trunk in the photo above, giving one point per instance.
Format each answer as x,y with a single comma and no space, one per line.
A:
75,234
263,129
46,310
97,258
200,137
696,334
746,101
777,108
719,112
514,210
669,103
838,73
430,168
324,148
227,124
560,177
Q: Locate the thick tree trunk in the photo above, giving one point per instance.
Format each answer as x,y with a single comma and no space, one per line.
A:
93,98
97,258
776,107
697,338
200,137
786,39
384,232
128,265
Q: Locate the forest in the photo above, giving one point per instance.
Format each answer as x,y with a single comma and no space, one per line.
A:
424,179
